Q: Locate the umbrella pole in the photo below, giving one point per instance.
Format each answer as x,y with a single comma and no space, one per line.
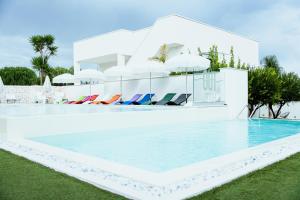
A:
150,89
121,87
186,75
193,85
90,87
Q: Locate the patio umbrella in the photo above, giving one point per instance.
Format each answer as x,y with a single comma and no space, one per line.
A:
1,89
64,78
1,85
150,68
89,75
118,71
47,85
187,62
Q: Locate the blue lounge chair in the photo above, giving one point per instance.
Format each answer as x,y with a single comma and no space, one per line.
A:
145,100
133,99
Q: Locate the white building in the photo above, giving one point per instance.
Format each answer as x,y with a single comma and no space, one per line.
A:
180,34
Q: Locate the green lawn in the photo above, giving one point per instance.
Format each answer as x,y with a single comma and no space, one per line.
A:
21,179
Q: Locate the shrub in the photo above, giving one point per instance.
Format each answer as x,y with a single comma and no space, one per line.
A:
18,76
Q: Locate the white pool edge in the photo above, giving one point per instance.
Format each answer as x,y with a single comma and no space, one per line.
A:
174,184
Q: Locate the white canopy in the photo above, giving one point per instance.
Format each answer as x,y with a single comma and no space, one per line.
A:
64,78
47,84
89,75
148,67
187,62
1,84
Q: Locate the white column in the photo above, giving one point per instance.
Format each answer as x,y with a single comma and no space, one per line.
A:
76,67
121,59
236,92
76,70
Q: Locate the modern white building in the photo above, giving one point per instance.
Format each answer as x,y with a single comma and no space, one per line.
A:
180,34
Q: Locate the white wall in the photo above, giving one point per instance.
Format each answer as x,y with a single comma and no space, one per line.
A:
236,92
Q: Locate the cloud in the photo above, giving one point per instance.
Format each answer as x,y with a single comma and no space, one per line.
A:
278,32
17,51
273,23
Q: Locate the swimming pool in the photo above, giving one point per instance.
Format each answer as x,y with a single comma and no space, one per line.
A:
178,154
166,147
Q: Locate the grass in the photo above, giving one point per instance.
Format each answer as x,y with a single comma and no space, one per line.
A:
21,179
280,181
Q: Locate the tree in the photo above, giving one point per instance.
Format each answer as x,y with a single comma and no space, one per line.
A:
271,62
239,64
213,56
223,62
231,62
18,76
290,91
44,46
244,66
162,54
263,88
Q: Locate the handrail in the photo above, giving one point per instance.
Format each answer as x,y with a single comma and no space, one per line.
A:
252,113
241,111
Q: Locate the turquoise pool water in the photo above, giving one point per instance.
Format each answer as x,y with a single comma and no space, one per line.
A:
165,147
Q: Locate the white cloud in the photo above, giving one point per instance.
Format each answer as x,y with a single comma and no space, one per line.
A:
273,23
17,51
278,32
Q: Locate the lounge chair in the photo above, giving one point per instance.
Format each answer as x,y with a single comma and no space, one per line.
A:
133,99
180,99
79,99
89,98
112,100
168,97
86,98
91,101
145,100
284,115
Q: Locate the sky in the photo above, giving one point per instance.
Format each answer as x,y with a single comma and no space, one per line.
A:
275,24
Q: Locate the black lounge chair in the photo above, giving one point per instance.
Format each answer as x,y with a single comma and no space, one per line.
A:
168,97
180,99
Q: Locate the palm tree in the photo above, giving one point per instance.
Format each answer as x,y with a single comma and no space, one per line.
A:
44,46
162,54
271,62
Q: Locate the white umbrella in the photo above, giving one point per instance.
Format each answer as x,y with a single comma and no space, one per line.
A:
150,68
1,89
118,71
64,78
1,84
187,62
47,84
89,75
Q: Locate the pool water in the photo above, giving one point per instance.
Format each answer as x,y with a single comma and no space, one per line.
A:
169,146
